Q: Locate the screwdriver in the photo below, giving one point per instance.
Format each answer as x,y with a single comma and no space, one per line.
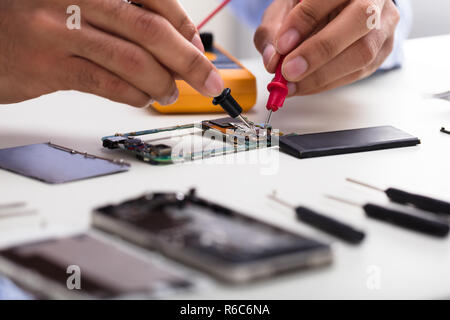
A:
231,106
407,198
400,219
329,225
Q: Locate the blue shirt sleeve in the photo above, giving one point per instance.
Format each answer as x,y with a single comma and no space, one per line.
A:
251,11
395,59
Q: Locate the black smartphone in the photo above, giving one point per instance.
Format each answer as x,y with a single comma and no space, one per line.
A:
211,237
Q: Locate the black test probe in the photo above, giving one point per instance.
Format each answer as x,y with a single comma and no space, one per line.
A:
231,106
407,198
401,219
326,224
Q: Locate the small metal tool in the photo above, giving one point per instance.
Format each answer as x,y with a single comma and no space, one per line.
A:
443,130
12,205
407,198
401,219
269,116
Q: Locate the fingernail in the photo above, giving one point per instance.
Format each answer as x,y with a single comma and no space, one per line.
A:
197,41
171,100
214,84
292,88
268,54
149,103
293,69
288,41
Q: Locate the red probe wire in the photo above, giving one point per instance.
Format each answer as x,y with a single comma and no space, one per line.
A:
278,90
212,14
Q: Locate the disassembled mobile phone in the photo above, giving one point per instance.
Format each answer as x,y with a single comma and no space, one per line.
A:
211,237
193,141
105,270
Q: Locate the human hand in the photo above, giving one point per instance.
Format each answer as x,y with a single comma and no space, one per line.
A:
327,43
121,52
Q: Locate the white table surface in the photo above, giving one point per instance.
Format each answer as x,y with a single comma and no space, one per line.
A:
410,265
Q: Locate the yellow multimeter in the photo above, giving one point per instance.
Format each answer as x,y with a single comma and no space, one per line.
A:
235,76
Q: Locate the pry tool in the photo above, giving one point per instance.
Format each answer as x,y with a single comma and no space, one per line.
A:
326,224
401,219
232,107
415,200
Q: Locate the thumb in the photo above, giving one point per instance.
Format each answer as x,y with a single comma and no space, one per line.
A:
266,33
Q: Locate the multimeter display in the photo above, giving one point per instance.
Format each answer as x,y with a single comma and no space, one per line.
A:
221,61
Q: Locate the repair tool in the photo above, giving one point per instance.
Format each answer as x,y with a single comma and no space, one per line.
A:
234,75
443,130
278,90
401,219
12,205
231,106
11,210
329,225
407,198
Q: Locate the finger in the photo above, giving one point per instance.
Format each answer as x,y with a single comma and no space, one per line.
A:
161,39
177,16
85,76
339,34
352,77
369,51
264,38
302,21
127,60
359,55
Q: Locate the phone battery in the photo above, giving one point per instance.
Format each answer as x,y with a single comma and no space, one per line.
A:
346,141
213,238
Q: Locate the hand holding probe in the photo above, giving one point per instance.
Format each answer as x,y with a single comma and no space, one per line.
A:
326,224
278,90
407,198
400,219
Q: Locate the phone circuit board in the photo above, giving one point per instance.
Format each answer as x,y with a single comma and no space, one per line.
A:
191,142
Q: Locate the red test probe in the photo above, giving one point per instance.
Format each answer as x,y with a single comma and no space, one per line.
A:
278,90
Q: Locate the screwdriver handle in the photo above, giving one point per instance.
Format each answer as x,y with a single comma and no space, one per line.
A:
330,226
407,221
418,201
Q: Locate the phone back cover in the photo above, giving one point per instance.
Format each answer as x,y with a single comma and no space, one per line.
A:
52,165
